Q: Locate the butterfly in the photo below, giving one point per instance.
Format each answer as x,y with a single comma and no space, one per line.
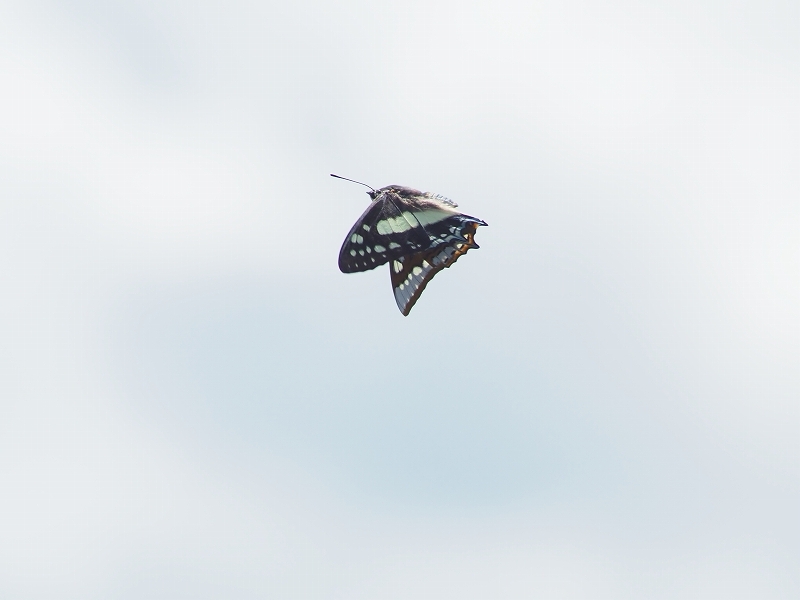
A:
417,233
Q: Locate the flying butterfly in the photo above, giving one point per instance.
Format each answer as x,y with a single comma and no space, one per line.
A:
417,233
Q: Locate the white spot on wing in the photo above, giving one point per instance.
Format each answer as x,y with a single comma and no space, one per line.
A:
396,224
428,217
412,220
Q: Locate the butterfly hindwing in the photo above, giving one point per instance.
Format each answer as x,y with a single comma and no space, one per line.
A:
410,274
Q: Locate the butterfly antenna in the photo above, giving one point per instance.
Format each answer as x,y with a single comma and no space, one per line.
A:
353,180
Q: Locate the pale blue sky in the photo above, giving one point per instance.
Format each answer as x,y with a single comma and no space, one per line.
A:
601,402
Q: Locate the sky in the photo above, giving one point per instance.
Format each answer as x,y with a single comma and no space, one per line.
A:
601,402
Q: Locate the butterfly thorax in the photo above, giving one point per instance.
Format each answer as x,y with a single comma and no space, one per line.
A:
399,190
406,196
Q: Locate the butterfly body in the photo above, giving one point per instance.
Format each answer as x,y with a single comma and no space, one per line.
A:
417,233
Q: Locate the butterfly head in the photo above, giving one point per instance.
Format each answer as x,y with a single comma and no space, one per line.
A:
388,189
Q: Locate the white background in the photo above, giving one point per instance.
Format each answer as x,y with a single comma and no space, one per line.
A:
601,402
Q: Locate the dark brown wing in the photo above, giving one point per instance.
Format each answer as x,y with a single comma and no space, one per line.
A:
382,233
410,274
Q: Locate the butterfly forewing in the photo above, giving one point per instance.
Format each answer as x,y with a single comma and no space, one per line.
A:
383,232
